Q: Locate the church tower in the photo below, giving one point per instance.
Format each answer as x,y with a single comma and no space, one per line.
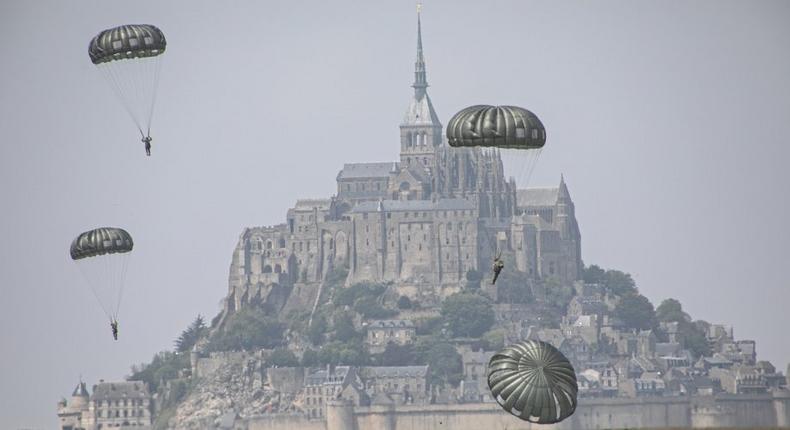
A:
420,131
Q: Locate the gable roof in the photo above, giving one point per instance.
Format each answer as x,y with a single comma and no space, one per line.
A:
414,205
396,371
391,324
120,390
367,170
537,197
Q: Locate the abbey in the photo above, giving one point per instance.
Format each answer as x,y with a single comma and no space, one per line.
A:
421,222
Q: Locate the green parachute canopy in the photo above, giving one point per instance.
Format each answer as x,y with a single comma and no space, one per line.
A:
533,381
496,126
127,41
101,241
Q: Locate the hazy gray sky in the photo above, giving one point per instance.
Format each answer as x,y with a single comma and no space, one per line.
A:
668,119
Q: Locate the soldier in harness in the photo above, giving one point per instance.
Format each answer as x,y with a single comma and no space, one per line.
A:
498,266
147,142
114,327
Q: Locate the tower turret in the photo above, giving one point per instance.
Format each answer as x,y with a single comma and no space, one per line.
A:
420,131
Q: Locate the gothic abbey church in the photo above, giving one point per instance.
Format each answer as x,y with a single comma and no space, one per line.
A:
421,223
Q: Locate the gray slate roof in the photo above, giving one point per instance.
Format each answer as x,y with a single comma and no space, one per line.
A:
391,324
309,204
396,371
414,205
80,390
367,170
320,377
537,197
120,390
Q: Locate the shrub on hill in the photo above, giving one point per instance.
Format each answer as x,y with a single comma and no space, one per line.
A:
163,367
636,312
467,314
282,357
247,329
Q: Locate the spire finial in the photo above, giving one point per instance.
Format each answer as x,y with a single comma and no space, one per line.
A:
420,81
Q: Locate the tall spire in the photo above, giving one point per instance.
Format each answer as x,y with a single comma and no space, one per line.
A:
420,81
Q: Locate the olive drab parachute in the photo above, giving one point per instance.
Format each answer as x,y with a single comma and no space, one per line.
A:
129,57
102,256
533,381
515,133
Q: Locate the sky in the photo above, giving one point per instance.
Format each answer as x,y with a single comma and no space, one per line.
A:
669,121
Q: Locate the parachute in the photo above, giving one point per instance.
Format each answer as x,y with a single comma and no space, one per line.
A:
514,133
533,381
129,57
102,256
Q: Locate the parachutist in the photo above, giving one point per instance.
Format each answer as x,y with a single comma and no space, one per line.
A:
114,326
498,266
147,142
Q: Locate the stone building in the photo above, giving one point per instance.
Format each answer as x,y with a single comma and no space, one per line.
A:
113,404
323,385
403,384
116,404
70,413
421,222
382,332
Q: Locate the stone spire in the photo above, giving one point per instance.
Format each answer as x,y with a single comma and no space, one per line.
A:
421,131
420,81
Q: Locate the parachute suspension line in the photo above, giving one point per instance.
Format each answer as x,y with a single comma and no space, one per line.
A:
121,279
157,68
113,80
90,283
134,82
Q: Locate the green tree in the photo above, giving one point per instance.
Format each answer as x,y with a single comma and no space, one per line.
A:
404,303
310,358
692,337
164,366
368,307
191,335
594,275
670,310
248,329
317,329
351,353
344,327
445,363
426,326
282,357
397,355
619,283
467,315
636,311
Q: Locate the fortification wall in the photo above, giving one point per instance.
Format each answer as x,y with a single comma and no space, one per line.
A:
745,411
284,422
205,366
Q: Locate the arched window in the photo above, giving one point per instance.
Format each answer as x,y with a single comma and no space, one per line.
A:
278,268
268,244
281,243
267,269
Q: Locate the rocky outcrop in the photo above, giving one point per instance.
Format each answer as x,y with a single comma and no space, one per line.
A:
235,387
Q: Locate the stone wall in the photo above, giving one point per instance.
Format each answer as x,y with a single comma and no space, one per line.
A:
284,422
745,411
286,379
